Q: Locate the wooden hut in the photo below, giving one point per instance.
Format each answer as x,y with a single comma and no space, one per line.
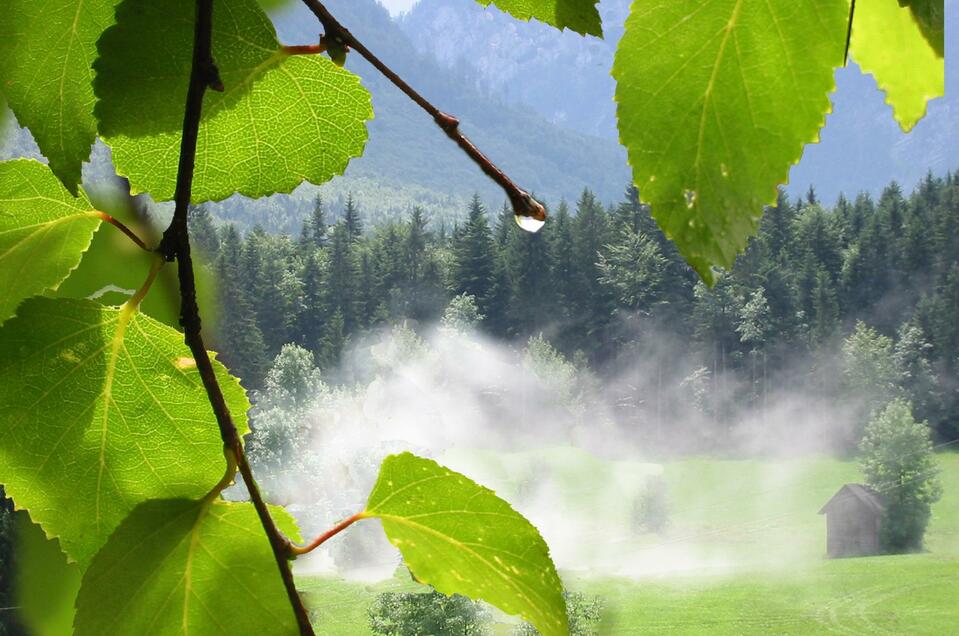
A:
853,521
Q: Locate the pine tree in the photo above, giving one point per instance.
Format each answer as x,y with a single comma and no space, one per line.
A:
370,310
561,246
825,308
203,233
276,301
528,265
343,278
351,216
633,269
417,239
474,258
237,334
334,340
313,315
317,227
592,303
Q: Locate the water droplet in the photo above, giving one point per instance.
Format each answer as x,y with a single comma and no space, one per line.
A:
528,223
690,198
723,170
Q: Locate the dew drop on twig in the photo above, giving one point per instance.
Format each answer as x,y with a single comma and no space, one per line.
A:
528,223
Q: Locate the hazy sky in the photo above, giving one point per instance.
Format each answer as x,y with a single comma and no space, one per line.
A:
398,6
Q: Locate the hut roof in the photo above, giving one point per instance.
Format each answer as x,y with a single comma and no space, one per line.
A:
872,499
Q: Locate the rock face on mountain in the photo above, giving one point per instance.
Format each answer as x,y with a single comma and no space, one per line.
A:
563,76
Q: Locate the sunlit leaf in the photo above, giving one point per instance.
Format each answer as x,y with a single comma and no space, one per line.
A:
716,99
282,119
461,538
888,42
576,15
101,409
177,566
46,50
44,231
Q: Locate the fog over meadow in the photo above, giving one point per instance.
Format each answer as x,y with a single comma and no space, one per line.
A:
525,422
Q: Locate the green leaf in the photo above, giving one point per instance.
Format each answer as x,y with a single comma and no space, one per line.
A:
930,15
716,99
580,16
186,567
43,232
461,538
46,585
282,119
46,51
101,409
888,42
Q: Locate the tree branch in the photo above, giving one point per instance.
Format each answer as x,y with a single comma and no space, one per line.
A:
523,204
175,245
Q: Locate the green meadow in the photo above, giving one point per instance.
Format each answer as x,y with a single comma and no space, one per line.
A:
743,553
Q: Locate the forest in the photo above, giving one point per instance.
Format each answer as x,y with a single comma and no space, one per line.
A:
875,279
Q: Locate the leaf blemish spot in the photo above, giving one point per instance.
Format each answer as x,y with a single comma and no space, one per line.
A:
183,363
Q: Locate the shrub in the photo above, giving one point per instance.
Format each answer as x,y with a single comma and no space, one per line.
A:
430,614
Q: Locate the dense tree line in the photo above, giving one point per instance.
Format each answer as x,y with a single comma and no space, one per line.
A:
604,285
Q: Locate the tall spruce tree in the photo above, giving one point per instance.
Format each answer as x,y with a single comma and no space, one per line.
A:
351,216
237,335
474,258
342,297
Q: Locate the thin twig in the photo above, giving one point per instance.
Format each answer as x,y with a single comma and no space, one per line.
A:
523,204
329,534
852,14
175,245
123,228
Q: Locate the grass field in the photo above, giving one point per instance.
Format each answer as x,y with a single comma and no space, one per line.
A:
743,554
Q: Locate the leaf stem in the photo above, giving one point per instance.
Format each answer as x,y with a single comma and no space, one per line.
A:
134,303
523,204
123,228
175,245
329,534
304,49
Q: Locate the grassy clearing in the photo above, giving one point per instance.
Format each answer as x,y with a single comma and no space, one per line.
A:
912,594
743,554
